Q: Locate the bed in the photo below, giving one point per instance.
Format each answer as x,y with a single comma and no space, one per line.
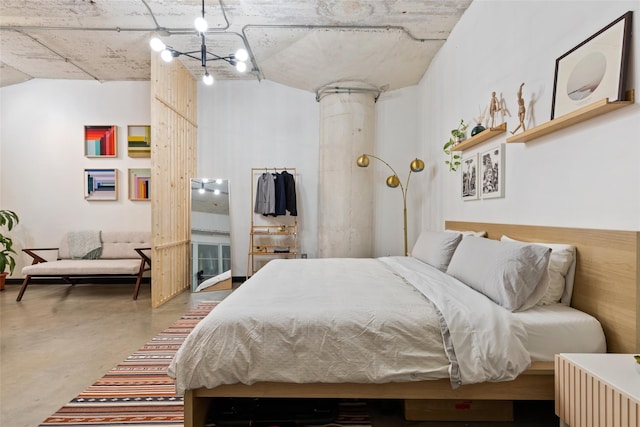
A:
605,287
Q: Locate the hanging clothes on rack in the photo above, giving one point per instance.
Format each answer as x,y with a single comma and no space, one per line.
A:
280,195
265,195
290,192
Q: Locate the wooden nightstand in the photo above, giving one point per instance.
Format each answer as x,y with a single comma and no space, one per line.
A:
597,390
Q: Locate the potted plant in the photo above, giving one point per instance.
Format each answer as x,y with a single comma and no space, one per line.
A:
457,135
8,220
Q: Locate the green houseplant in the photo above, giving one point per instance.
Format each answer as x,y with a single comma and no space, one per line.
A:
457,135
8,220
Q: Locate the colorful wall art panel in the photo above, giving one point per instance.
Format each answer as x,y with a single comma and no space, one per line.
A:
100,141
139,184
139,141
101,184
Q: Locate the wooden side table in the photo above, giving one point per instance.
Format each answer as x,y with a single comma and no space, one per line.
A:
597,390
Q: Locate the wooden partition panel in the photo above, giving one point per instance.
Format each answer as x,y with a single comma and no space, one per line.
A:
607,281
173,163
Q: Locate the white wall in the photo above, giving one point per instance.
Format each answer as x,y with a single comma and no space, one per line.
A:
584,176
42,155
244,125
397,143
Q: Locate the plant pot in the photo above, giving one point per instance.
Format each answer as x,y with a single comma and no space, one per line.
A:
3,279
477,129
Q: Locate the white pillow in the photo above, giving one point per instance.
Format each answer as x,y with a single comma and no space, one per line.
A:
470,233
511,274
436,248
561,263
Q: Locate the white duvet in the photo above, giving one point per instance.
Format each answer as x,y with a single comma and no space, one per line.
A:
351,320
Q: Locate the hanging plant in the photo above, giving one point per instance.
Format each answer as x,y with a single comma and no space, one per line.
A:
457,135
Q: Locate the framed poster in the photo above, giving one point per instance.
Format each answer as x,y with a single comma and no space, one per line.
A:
593,70
470,177
139,141
492,169
100,141
139,180
101,184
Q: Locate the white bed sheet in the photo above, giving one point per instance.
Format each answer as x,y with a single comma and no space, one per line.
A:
351,320
556,328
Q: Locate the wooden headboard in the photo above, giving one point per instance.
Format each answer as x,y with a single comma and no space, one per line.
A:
607,281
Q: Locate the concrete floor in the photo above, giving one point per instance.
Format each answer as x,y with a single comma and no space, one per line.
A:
59,340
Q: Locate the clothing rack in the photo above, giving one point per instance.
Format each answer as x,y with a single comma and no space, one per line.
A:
268,238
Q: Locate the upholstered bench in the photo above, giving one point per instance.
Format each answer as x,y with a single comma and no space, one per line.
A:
121,254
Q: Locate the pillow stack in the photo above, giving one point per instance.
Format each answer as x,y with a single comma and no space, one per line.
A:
562,264
516,275
513,275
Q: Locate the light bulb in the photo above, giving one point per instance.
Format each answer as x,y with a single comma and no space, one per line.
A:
241,55
216,191
166,55
207,79
205,180
201,24
218,181
156,44
241,66
201,191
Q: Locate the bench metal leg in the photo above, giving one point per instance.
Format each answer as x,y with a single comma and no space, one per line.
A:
23,288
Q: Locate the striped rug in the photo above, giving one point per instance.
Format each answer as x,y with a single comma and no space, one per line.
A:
138,392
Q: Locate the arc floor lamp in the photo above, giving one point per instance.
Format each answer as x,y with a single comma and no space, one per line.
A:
393,181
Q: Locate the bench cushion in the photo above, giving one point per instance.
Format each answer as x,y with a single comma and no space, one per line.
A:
81,267
115,244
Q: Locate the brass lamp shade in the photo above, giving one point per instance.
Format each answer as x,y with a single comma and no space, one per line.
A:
363,161
417,165
393,181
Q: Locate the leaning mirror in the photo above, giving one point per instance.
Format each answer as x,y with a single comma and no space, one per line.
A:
210,235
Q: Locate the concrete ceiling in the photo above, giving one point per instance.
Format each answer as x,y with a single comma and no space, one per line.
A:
307,44
209,201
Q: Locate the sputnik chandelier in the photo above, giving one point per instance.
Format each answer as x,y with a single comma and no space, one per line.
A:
167,53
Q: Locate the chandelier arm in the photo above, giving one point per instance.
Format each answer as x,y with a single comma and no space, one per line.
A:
218,57
189,55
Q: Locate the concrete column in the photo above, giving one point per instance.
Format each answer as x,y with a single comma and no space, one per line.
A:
345,194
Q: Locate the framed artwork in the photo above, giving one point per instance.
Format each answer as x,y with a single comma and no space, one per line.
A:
139,184
470,177
139,141
492,169
100,141
101,184
593,70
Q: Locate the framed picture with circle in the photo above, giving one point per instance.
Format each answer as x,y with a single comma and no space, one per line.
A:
593,70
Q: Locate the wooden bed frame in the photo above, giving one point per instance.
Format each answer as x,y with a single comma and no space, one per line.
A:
607,286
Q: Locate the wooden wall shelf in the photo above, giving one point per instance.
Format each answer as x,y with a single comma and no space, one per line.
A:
483,136
585,113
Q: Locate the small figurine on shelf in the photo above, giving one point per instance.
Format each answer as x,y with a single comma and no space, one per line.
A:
521,111
479,127
494,107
